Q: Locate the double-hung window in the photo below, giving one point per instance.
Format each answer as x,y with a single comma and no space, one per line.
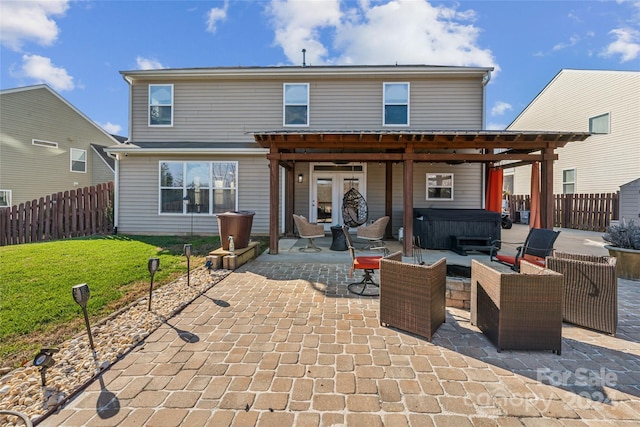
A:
160,105
5,198
198,187
296,104
569,181
439,186
78,160
396,104
599,124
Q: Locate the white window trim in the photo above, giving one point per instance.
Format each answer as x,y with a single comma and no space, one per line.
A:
9,195
608,115
284,104
384,103
185,188
71,160
149,105
574,182
427,187
43,143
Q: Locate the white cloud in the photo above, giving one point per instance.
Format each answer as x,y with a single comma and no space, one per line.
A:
111,128
148,63
573,40
500,107
496,126
41,69
396,31
627,44
22,21
215,15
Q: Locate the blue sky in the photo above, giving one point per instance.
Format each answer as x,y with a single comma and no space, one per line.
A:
79,47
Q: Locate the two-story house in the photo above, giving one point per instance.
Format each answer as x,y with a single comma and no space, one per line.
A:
605,103
284,140
47,146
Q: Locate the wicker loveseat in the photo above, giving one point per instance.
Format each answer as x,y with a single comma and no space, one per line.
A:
412,296
590,290
518,311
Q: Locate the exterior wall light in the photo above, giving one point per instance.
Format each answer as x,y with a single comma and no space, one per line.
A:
152,265
300,178
81,295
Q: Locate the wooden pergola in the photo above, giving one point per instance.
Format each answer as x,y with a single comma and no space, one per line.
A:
503,149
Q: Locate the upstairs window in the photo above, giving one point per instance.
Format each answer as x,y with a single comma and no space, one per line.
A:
599,124
296,104
396,104
569,181
160,105
440,186
78,160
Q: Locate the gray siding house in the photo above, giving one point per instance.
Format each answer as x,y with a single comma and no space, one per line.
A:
284,140
605,103
47,146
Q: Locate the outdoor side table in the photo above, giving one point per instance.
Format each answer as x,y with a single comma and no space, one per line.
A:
338,243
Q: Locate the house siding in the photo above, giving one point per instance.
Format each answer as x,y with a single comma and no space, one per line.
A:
603,162
32,171
230,109
139,196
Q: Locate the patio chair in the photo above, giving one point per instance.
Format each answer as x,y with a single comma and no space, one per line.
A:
412,296
537,246
308,230
518,310
590,290
368,264
373,233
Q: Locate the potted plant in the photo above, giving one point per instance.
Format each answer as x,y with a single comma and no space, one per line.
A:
624,244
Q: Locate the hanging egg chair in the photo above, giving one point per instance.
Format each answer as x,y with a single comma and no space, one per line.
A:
354,208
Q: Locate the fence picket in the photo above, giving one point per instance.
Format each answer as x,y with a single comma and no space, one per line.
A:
75,213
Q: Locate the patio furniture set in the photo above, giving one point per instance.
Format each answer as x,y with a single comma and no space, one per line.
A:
519,304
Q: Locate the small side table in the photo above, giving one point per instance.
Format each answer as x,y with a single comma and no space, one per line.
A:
339,242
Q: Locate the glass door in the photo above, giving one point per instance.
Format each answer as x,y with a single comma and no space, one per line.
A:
328,189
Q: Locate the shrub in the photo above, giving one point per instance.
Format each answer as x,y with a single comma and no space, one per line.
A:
624,235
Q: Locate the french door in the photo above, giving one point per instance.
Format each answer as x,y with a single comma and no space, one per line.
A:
329,183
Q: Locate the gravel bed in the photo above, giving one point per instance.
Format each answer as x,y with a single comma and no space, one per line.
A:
77,366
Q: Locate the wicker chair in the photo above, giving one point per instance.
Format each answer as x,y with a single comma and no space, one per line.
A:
412,296
518,311
309,231
374,233
590,290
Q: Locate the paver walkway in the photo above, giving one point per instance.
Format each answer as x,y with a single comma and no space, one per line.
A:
282,344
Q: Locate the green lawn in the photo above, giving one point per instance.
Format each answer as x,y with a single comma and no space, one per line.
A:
36,305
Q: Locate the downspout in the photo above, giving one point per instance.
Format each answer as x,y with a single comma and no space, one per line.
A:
116,192
485,82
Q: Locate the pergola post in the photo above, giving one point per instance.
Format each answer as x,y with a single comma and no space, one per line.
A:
388,198
407,196
274,202
546,188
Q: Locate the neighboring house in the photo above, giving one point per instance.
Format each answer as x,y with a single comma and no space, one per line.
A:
284,140
604,103
48,146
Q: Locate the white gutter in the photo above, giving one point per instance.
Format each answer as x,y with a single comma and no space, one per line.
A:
138,150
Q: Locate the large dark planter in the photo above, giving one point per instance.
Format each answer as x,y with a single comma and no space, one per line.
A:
628,262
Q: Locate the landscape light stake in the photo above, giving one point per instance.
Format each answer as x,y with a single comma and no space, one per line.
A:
81,296
187,253
44,360
153,265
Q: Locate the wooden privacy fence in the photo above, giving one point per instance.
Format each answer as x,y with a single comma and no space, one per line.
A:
591,212
74,213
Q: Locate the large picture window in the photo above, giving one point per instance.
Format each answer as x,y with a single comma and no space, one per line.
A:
78,160
396,104
440,186
296,104
198,187
160,105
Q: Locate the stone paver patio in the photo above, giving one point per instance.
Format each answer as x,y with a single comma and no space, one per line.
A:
284,343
